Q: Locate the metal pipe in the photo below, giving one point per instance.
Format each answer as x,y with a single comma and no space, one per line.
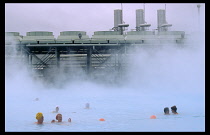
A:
144,12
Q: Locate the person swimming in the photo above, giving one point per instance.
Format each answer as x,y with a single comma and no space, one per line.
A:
87,106
69,120
59,117
53,121
36,99
56,109
174,109
60,122
166,111
40,118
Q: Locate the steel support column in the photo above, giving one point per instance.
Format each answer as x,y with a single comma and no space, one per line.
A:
30,61
89,61
57,53
120,60
27,58
115,59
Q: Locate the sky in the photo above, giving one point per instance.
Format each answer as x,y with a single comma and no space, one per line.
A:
90,17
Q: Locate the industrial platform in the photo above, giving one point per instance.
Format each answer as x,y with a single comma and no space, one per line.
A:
104,51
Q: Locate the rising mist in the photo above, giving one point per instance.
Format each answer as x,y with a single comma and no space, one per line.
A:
166,68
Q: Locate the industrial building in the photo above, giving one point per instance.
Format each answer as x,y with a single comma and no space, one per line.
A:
104,50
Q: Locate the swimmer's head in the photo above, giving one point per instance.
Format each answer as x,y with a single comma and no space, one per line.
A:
69,120
52,121
166,110
87,106
59,117
57,109
174,109
39,115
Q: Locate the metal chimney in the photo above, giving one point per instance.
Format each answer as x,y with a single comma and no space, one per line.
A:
139,18
161,20
117,19
198,6
141,24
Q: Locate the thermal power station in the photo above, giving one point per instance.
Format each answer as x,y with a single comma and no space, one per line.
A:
103,51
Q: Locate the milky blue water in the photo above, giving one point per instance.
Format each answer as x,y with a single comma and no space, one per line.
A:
122,109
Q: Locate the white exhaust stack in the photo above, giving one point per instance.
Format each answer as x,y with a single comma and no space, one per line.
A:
140,20
161,20
117,19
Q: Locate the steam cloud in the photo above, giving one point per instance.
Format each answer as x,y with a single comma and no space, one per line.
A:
166,68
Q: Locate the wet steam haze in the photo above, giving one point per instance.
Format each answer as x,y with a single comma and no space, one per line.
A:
167,68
